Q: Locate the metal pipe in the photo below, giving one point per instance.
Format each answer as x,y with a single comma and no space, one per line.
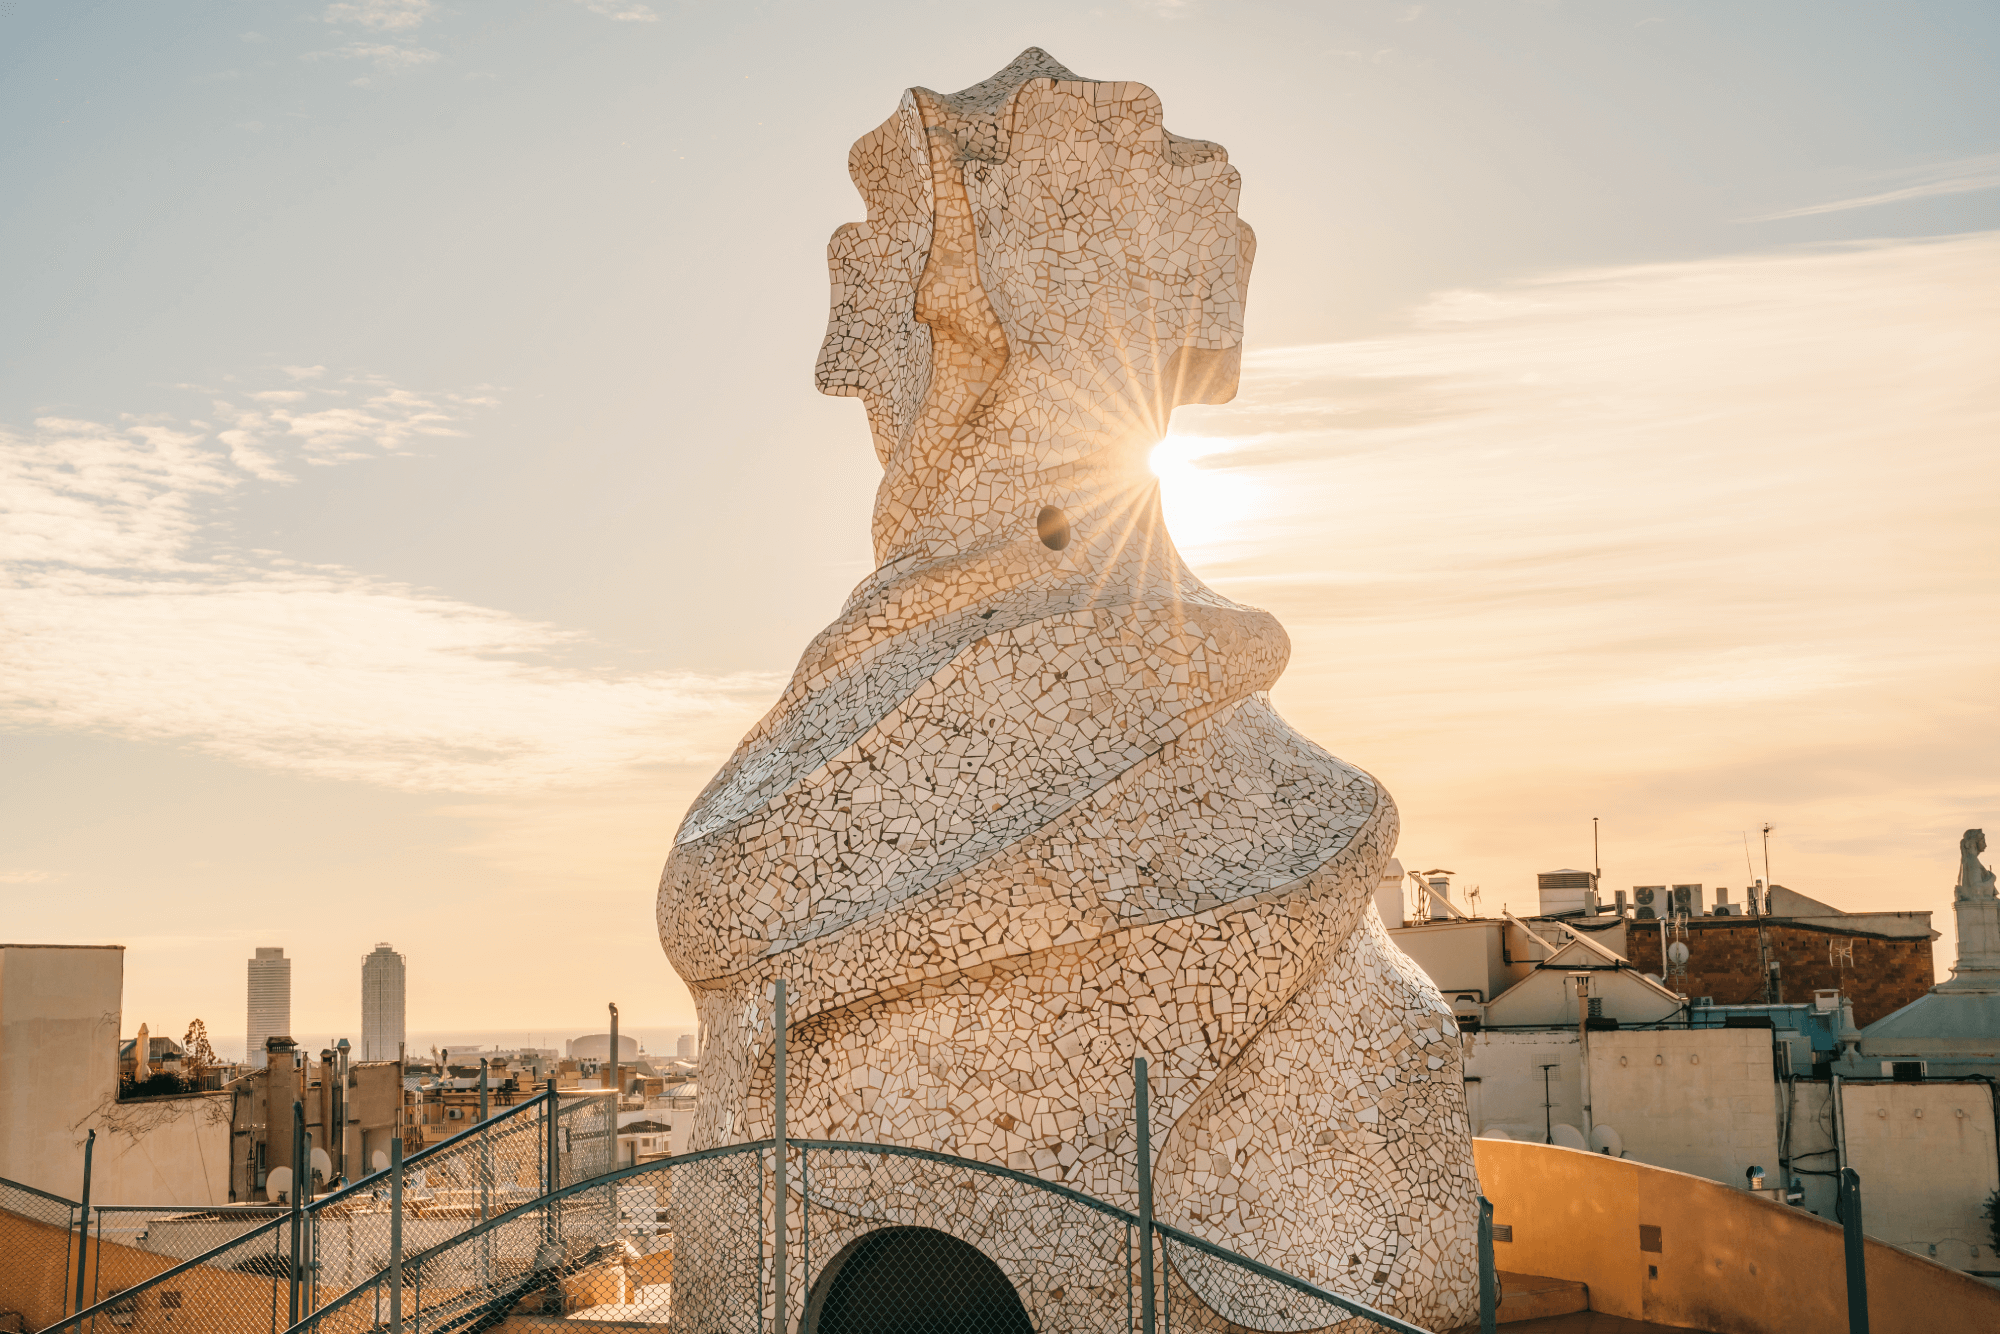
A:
396,1233
300,1165
1143,1128
779,1251
1489,1286
1857,1251
83,1229
611,1071
552,1170
1583,1049
1839,1129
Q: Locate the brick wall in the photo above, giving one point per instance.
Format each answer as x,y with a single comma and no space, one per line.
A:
1884,974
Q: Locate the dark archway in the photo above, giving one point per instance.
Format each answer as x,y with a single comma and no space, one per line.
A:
914,1280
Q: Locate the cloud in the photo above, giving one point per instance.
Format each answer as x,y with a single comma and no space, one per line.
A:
1723,483
1687,546
621,11
382,15
383,55
125,611
1950,178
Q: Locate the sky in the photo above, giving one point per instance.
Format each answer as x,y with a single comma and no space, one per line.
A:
412,484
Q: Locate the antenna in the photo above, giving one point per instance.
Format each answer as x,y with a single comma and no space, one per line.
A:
1767,856
1596,862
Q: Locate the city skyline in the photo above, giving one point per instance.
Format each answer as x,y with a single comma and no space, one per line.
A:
1613,441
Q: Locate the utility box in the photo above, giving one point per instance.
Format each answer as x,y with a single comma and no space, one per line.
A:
1567,893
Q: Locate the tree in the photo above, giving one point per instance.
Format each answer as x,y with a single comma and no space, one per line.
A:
199,1057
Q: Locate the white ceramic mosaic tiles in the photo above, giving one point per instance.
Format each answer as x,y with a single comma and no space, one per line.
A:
1025,809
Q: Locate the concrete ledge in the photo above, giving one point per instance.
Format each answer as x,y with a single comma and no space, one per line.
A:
1690,1253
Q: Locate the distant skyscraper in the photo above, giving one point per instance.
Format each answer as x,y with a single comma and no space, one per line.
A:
382,1033
270,1001
684,1049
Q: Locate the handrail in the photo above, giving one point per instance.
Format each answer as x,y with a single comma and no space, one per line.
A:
994,1169
1289,1280
19,1185
519,1210
184,1266
1221,1252
1348,1304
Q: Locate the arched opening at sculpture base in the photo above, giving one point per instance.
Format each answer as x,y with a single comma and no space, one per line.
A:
914,1280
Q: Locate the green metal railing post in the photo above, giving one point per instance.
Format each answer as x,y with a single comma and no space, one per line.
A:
552,1169
1144,1129
780,1252
300,1184
1489,1284
1857,1256
396,1233
83,1228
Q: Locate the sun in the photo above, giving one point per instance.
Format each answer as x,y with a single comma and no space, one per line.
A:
1205,506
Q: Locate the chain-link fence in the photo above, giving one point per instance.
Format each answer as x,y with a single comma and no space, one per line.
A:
38,1222
261,1269
596,1250
880,1239
518,1226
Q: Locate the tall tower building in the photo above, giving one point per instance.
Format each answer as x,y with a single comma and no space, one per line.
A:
382,1032
270,1014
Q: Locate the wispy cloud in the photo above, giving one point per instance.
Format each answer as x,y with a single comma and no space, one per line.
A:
1649,542
385,56
1949,178
382,15
129,613
621,11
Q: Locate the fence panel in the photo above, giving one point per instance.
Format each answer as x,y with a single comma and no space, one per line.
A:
577,1256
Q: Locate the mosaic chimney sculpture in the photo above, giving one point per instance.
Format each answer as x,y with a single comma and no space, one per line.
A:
1025,810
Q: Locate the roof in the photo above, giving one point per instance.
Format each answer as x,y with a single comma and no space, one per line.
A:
1946,1022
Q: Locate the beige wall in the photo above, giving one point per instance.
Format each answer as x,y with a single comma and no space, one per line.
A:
59,1009
1925,1156
59,1024
1728,1261
1694,1100
1508,1094
1458,956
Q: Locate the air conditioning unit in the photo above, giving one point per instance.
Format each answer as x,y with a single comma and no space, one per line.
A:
454,1114
1687,900
1651,899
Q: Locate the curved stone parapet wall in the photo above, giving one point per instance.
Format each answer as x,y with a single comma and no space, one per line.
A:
1025,810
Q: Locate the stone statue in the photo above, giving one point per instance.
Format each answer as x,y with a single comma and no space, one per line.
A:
1025,810
1975,881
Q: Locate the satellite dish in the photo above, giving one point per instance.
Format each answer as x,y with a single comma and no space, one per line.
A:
1677,954
322,1163
278,1184
379,1161
1604,1139
1568,1136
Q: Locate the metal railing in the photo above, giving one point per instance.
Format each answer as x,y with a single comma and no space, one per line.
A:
883,1231
256,1268
888,1236
515,1222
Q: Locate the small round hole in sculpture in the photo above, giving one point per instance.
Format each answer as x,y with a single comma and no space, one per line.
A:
1052,526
